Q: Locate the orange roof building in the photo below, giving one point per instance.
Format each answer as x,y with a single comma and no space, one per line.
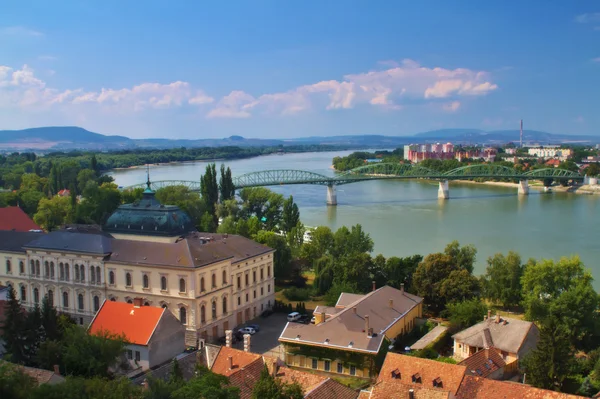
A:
15,219
154,336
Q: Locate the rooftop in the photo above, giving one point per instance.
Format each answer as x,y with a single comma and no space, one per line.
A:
392,390
502,333
484,362
346,329
484,388
72,241
15,219
428,338
14,241
136,323
240,360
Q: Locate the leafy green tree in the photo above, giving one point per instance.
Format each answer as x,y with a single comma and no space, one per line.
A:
465,314
206,384
562,293
395,271
321,244
262,203
29,200
282,257
226,187
267,387
33,182
89,388
353,241
83,177
94,164
187,200
291,215
15,342
53,212
323,274
502,279
131,196
295,238
33,334
98,203
593,170
336,290
14,383
463,256
210,192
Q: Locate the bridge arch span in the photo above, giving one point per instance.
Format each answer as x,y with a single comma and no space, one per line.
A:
480,170
281,176
378,170
552,173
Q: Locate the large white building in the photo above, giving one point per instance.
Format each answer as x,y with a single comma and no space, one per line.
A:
551,152
210,282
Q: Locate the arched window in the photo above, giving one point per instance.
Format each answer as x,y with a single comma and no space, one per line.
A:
50,296
67,272
8,266
146,281
201,284
23,293
146,303
96,303
65,299
92,275
224,277
181,285
163,283
37,268
76,267
113,299
32,266
98,276
129,301
268,271
182,315
128,279
82,273
46,269
52,270
224,305
80,301
202,314
214,310
111,277
165,306
36,295
254,276
262,273
214,280
61,271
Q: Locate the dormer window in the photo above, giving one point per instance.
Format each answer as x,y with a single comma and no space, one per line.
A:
416,378
437,383
327,341
396,374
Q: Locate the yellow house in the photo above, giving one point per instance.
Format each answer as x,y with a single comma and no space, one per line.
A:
352,337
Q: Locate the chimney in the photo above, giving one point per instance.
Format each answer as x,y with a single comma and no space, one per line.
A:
228,338
497,318
489,314
411,394
354,310
230,362
391,303
367,324
402,288
484,317
138,302
374,285
246,342
56,369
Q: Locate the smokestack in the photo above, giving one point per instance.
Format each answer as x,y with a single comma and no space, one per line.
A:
246,342
354,310
411,394
228,338
489,313
374,285
497,318
230,362
402,288
521,133
391,303
367,324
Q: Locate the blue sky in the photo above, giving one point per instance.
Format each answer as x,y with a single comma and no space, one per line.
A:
282,69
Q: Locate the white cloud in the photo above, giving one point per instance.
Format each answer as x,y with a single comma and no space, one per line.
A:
451,107
200,98
588,17
233,105
19,31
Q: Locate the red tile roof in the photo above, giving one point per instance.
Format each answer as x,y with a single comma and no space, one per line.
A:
331,389
240,360
136,323
64,193
246,378
307,381
13,218
484,388
394,390
484,362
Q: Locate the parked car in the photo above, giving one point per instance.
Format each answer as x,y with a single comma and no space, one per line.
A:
313,320
247,330
294,316
304,319
256,327
266,313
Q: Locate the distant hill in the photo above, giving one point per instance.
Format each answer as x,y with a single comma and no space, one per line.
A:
57,138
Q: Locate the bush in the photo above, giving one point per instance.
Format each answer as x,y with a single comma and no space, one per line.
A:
296,294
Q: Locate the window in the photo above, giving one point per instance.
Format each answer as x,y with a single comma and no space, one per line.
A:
146,303
129,354
8,266
352,370
128,279
66,272
340,368
163,283
92,275
214,310
315,363
50,296
182,315
23,293
165,306
247,298
36,295
129,301
327,365
269,288
202,314
181,285
254,276
224,277
268,271
65,299
37,268
262,273
22,267
137,356
46,269
239,283
52,270
32,266
247,279
61,271
111,277
82,273
239,301
80,301
96,303
76,272
224,305
146,281
98,277
214,280
262,291
202,284
113,299
254,294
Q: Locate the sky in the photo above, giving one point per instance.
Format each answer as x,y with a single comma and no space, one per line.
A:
286,69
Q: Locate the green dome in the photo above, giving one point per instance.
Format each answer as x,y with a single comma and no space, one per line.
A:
150,218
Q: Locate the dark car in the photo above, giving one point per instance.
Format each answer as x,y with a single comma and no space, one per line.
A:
304,319
256,327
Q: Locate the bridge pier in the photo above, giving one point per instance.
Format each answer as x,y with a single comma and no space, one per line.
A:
331,195
444,190
523,187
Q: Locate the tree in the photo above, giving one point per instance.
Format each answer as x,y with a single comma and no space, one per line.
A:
94,164
15,343
264,204
593,170
206,384
502,279
83,177
465,314
267,387
321,244
210,191
98,203
53,212
14,383
226,187
291,215
282,257
187,200
353,241
395,271
33,334
561,293
336,290
33,182
464,257
89,388
28,200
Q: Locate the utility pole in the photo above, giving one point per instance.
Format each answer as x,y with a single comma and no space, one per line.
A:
521,133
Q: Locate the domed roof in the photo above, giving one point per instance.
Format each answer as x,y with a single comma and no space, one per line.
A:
150,218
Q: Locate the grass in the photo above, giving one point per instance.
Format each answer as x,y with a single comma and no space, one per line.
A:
310,304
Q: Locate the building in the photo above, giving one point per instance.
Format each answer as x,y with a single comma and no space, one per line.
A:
417,153
487,363
484,388
15,219
64,193
347,338
154,336
210,282
42,376
551,152
514,338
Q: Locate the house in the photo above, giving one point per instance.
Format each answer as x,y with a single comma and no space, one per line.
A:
154,336
390,390
64,193
15,219
347,338
514,338
554,163
483,388
42,376
487,363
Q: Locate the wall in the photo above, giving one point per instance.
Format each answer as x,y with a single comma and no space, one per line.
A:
406,323
306,362
144,362
167,341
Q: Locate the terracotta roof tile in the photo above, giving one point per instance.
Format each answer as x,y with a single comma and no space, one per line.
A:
507,335
15,219
240,360
42,376
364,395
331,389
307,381
395,390
247,377
136,323
401,369
484,388
484,362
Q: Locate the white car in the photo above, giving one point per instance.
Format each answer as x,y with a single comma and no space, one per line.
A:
247,330
294,316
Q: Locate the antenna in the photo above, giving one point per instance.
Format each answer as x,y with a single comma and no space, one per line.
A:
521,133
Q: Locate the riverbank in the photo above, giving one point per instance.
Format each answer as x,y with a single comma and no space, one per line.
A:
580,189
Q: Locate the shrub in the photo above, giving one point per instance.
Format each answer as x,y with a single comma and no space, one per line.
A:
296,294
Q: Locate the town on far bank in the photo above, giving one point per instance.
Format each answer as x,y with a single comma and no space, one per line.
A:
143,293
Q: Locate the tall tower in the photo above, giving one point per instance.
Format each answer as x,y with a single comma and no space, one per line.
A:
521,133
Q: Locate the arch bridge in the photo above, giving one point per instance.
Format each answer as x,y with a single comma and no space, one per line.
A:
382,171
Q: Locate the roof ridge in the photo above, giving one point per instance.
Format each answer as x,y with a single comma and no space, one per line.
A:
317,386
353,304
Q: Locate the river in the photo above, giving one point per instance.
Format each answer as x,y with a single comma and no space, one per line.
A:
406,218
